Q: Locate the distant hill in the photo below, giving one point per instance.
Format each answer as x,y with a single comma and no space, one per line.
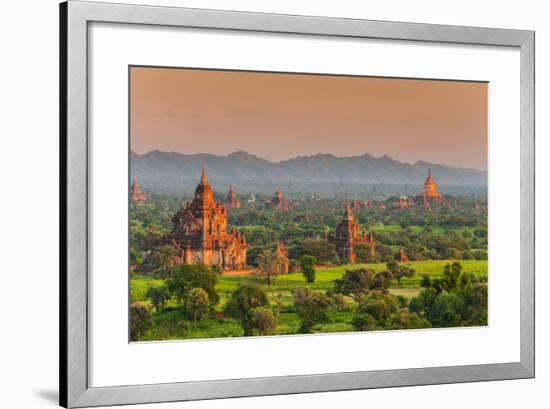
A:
158,170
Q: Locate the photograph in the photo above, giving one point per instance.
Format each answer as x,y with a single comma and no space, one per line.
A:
275,203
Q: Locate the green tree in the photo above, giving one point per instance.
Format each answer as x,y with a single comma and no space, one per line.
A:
406,320
363,322
354,281
323,251
343,302
197,304
447,311
311,307
392,266
361,281
268,263
159,296
164,257
184,277
441,309
476,302
381,281
425,282
451,275
423,304
379,306
140,320
263,321
307,265
402,271
247,297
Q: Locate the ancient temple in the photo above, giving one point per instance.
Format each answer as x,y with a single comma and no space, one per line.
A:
430,192
136,194
348,233
200,232
277,202
231,200
282,253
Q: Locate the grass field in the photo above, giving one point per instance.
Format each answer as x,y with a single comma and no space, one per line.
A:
172,323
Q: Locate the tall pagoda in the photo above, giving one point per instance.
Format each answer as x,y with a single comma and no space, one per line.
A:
430,192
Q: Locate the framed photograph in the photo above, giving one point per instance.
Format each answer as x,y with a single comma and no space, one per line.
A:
259,204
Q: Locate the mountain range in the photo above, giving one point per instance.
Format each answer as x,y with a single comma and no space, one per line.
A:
157,170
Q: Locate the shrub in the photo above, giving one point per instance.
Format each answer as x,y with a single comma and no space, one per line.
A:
402,301
183,278
245,298
311,306
405,320
140,320
323,251
361,281
354,281
158,296
268,263
263,321
441,309
399,271
307,265
363,322
379,306
343,302
480,254
197,304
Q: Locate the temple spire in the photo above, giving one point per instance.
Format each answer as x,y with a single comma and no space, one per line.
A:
203,174
348,212
430,179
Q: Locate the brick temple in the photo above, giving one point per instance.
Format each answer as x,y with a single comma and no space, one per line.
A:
277,202
200,233
136,194
231,200
348,233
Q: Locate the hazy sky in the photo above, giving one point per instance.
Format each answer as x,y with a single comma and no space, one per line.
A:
281,116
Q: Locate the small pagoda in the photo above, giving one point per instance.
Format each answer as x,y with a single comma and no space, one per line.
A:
231,200
136,194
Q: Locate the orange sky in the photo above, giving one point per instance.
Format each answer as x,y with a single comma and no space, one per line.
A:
281,116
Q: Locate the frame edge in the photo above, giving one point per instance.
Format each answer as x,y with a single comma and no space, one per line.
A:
527,244
63,315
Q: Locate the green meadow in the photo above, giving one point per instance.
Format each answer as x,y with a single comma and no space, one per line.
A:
172,322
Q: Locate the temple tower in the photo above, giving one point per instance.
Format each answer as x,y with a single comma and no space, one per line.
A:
200,232
430,188
136,194
231,200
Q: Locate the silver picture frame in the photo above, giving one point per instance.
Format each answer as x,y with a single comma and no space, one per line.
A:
75,16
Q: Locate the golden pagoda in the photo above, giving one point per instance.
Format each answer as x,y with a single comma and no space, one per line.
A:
430,188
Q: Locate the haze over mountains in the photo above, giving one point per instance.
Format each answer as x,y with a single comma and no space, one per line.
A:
170,171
